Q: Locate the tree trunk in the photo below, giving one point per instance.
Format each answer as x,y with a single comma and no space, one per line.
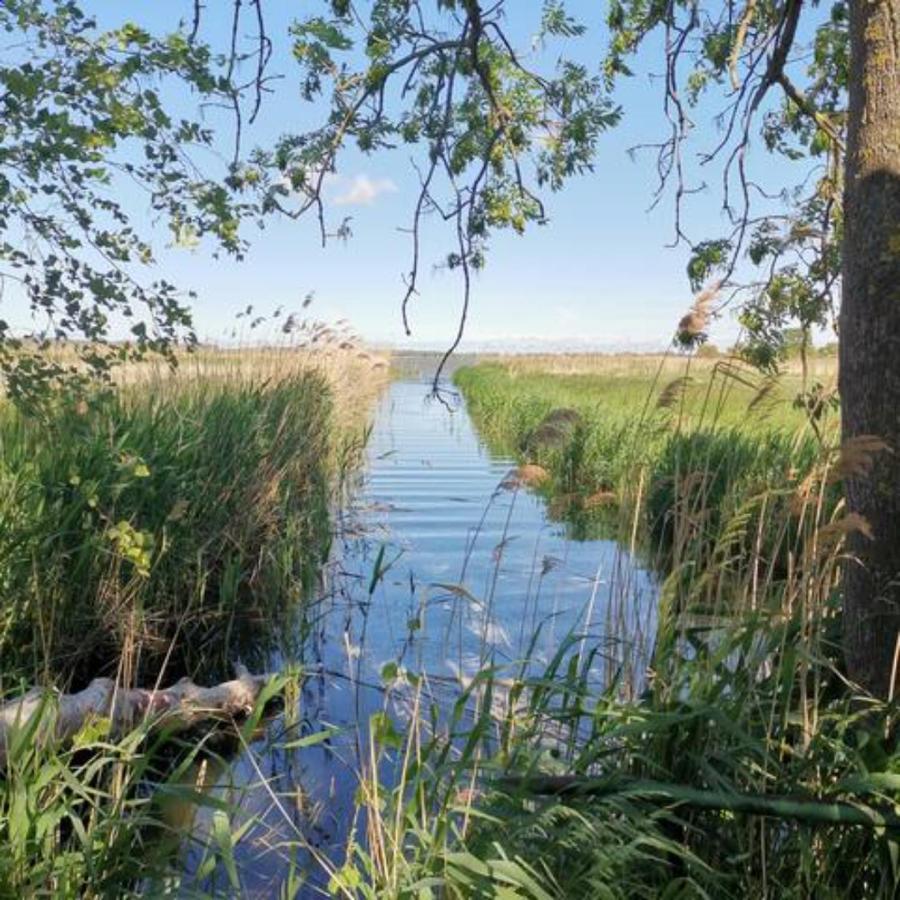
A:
44,716
870,339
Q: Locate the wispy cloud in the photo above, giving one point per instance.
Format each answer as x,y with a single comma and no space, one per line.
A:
364,191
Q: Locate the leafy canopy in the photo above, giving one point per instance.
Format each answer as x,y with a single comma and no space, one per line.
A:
497,129
81,113
775,73
491,129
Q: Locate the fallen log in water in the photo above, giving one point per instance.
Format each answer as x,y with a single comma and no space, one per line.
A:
43,714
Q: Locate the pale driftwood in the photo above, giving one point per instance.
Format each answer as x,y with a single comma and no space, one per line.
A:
57,717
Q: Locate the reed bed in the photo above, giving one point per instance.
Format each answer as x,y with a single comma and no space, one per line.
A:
739,762
167,523
162,522
745,765
648,453
653,367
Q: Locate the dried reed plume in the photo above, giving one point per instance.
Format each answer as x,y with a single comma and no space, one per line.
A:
830,536
601,498
764,394
856,456
692,327
673,392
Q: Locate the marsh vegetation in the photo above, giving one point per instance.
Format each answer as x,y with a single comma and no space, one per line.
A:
598,626
168,525
743,763
474,709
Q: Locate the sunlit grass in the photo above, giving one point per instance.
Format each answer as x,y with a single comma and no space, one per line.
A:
659,454
162,521
735,762
699,392
166,524
745,765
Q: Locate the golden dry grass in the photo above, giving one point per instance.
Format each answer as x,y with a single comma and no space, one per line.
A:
355,375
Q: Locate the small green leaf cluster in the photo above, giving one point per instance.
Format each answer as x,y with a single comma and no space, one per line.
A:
83,112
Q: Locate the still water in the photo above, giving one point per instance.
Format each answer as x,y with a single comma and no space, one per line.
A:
442,565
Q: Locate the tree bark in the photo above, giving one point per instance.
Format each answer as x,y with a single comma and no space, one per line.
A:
870,339
44,716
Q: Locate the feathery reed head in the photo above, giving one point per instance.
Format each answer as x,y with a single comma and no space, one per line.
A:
692,328
672,392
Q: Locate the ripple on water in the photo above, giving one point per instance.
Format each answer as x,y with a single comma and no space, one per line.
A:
469,572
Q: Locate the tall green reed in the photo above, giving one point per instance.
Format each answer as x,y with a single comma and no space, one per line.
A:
160,526
742,764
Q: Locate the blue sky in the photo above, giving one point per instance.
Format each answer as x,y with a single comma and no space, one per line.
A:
600,272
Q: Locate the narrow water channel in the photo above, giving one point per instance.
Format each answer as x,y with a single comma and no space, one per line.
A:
442,565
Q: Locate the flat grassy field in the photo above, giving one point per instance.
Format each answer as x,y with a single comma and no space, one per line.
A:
700,392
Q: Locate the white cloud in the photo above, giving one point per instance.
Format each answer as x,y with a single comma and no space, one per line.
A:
363,191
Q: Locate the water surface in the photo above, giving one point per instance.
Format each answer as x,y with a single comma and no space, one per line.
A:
441,566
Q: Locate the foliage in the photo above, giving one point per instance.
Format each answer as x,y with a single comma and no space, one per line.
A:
149,521
452,80
724,756
159,525
725,712
70,820
724,63
103,816
750,708
496,127
83,112
171,526
88,110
